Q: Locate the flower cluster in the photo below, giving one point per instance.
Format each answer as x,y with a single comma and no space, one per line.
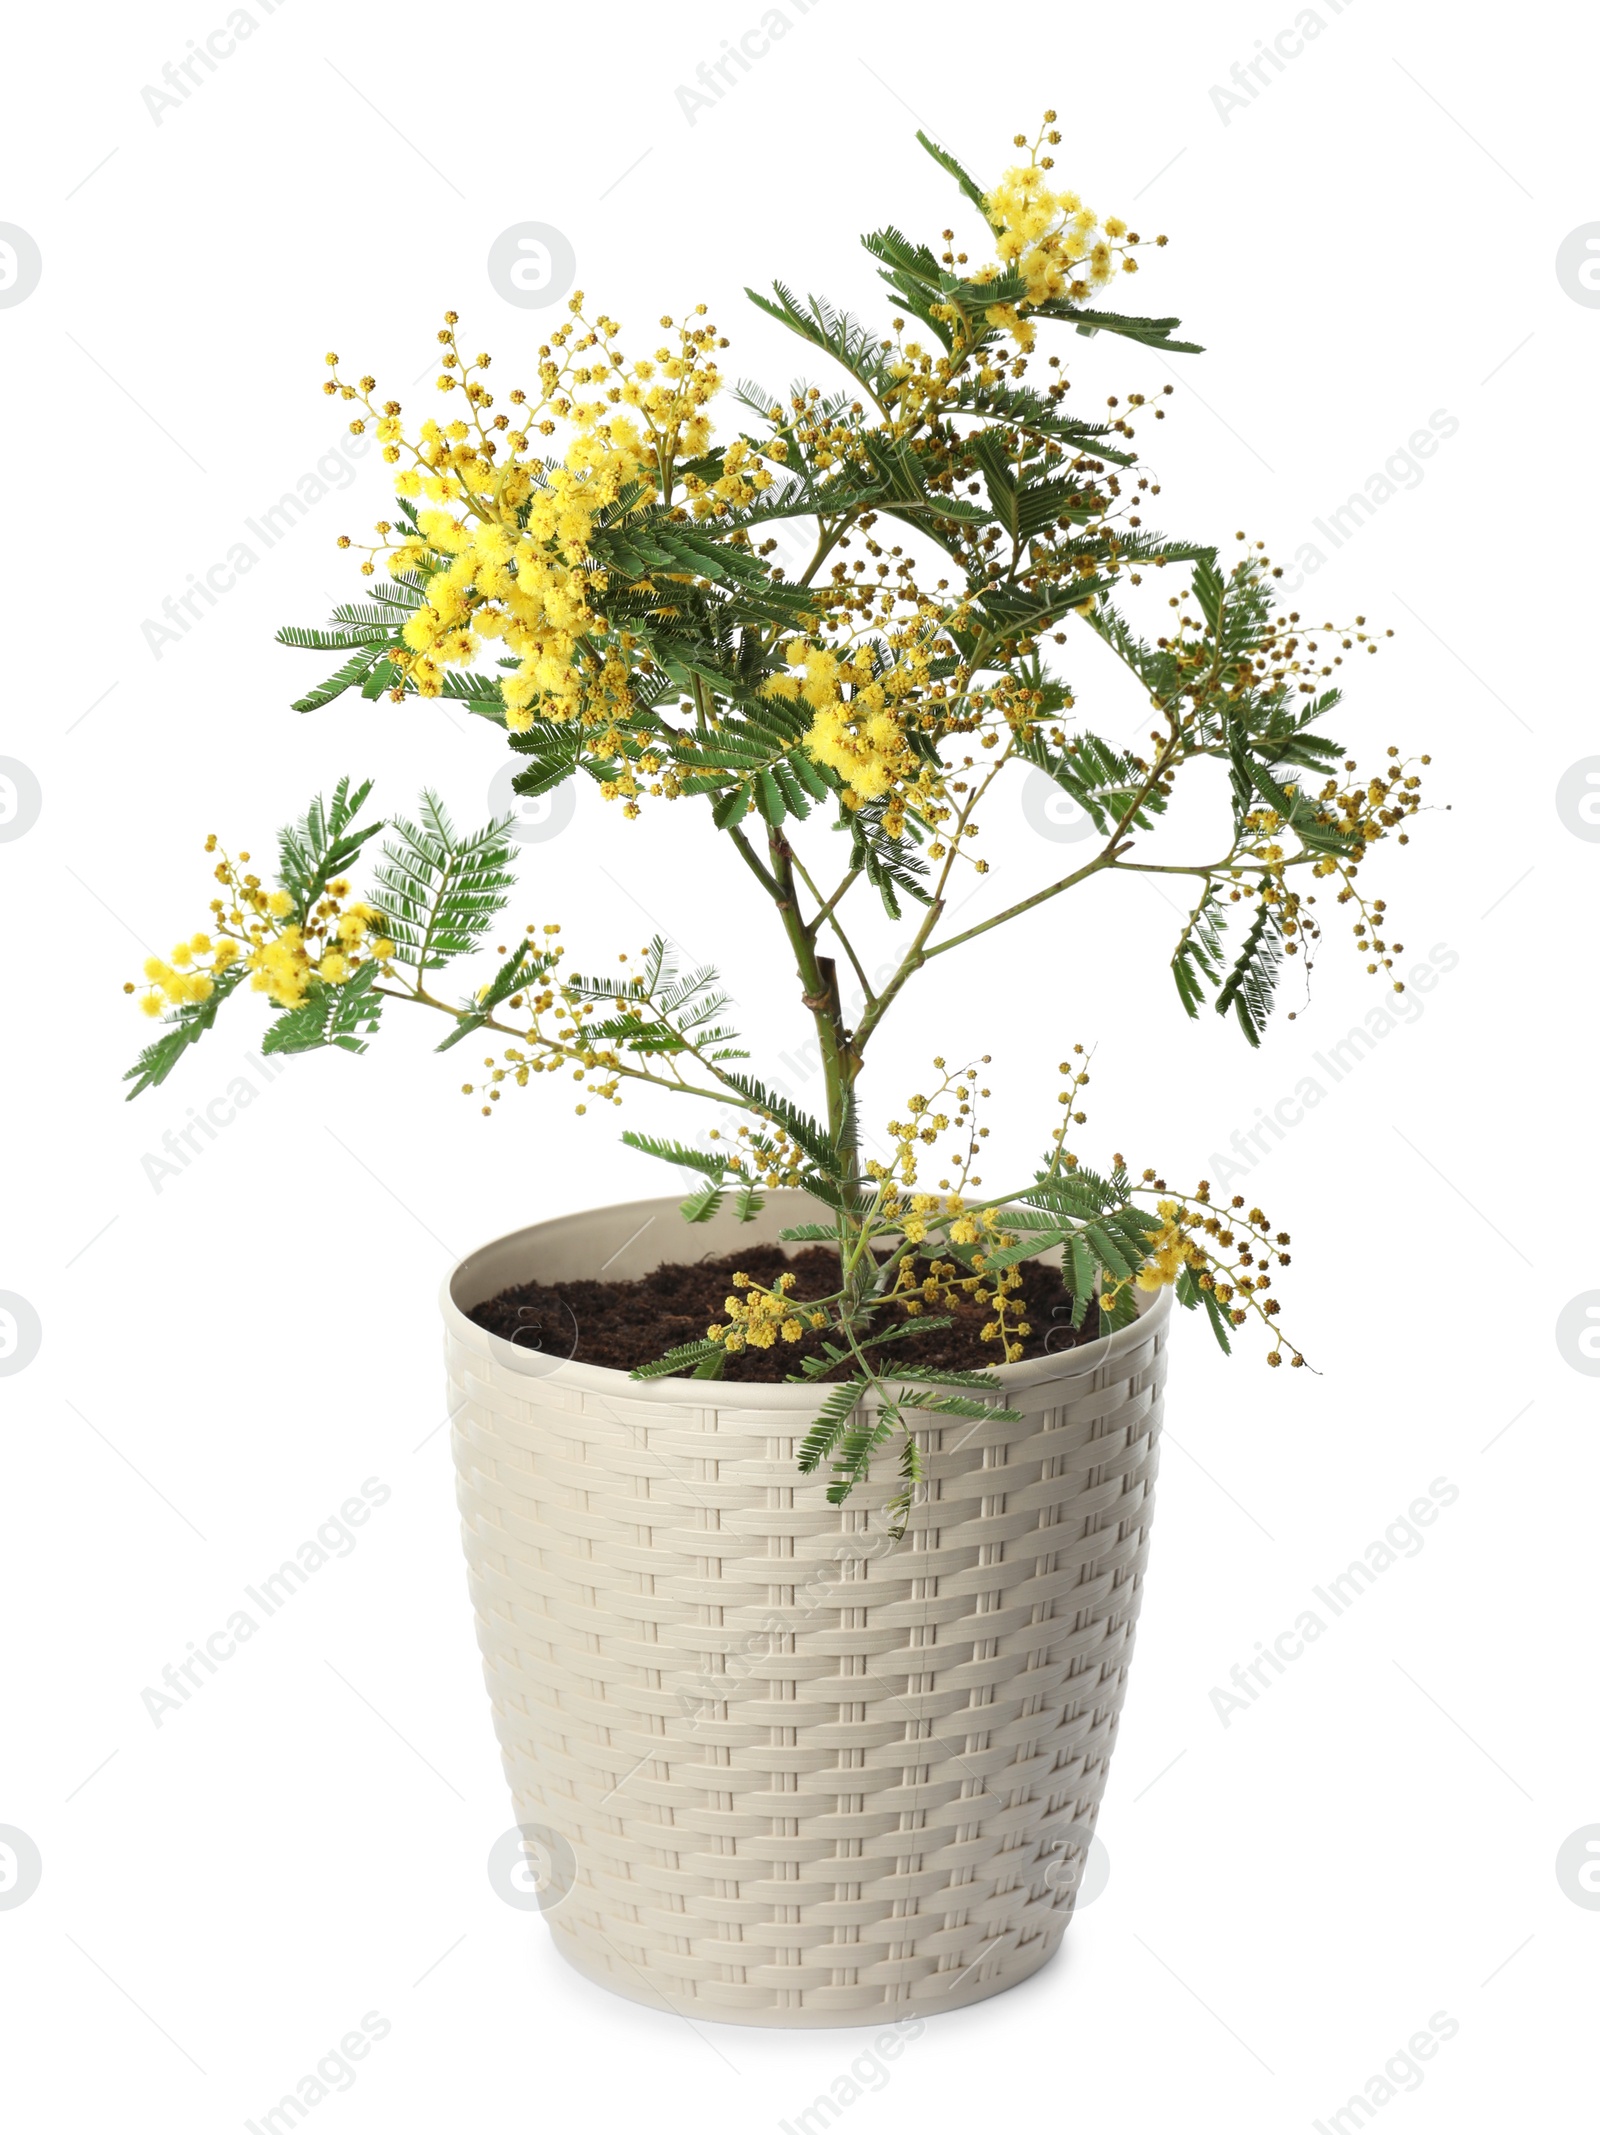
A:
841,615
283,948
857,727
188,978
926,1123
759,1317
1361,812
646,1024
944,1284
498,540
1232,1253
1059,247
763,1155
1171,1249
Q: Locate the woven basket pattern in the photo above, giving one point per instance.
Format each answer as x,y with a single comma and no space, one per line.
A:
806,1777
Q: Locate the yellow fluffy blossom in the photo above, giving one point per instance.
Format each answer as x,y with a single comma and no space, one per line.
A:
500,545
1058,246
1171,1249
858,734
255,927
757,1317
183,980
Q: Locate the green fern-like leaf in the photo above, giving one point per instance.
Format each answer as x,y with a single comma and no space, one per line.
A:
832,1421
703,1203
852,1463
835,332
323,844
1197,960
808,1136
336,636
1106,782
344,1016
524,967
184,1027
1249,987
968,184
355,671
1190,1293
893,866
688,1357
679,1153
440,893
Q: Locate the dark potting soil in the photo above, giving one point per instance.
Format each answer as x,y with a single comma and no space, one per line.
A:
625,1324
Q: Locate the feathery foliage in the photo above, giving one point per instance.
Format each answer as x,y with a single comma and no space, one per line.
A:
439,893
861,608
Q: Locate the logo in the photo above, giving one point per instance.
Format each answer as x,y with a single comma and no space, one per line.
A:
20,265
542,1340
1578,798
1578,1333
531,265
1578,1867
20,1333
20,797
535,817
1081,1872
1578,264
532,1868
1053,813
20,1867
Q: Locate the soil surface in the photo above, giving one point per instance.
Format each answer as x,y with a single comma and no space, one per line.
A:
625,1324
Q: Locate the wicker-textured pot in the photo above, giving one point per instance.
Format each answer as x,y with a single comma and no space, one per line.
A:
795,1776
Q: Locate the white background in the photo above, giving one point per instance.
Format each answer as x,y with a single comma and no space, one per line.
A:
1371,239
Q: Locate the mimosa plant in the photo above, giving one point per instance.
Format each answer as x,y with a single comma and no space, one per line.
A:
589,567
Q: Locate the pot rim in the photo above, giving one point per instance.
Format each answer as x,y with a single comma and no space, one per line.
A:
606,1380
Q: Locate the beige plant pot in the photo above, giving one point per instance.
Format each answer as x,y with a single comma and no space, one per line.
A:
774,1769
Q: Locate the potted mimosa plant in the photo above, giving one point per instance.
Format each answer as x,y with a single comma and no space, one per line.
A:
806,1560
